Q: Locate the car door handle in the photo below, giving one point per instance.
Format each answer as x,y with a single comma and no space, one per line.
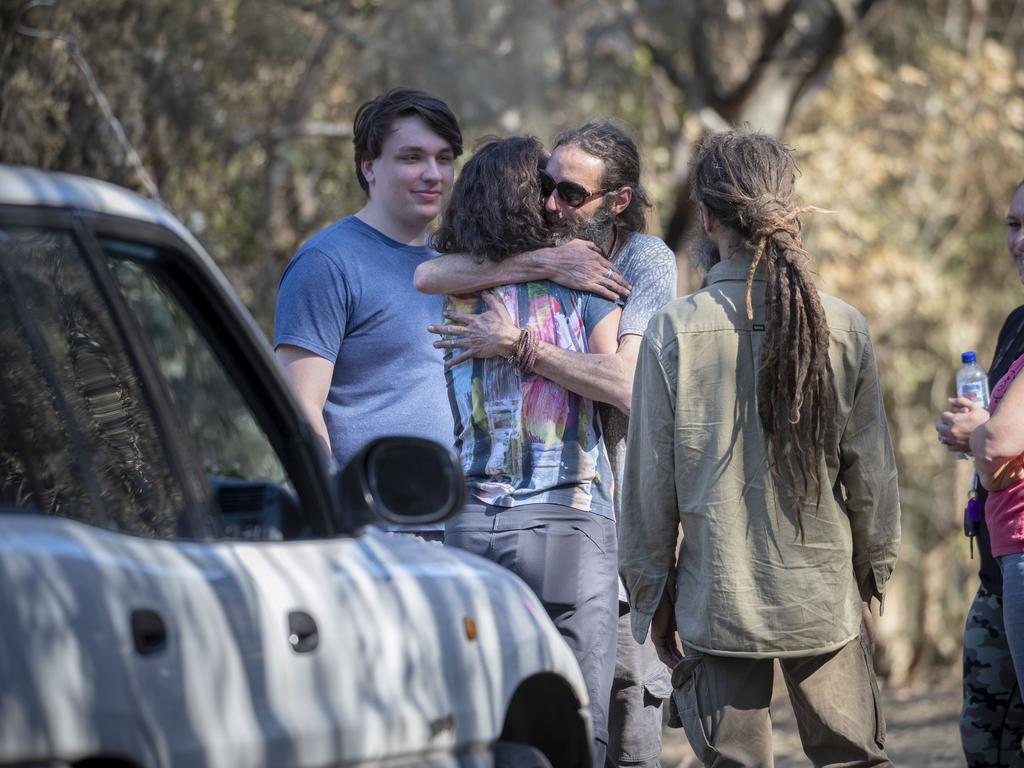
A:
149,633
302,632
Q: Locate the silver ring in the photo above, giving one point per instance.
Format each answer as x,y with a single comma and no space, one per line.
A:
608,273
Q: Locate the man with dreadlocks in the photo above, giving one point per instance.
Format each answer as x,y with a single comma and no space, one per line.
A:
758,427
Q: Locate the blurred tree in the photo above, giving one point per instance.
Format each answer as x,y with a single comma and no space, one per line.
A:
917,146
907,118
733,63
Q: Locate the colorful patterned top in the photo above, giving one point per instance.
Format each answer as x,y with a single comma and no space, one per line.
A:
523,438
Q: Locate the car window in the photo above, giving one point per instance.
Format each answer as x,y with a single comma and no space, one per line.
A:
253,496
78,437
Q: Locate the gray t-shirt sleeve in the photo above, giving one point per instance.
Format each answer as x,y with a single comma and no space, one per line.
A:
651,270
313,304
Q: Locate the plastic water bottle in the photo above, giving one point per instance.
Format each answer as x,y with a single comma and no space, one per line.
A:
971,383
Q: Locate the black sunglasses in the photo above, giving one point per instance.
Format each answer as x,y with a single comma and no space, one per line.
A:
571,193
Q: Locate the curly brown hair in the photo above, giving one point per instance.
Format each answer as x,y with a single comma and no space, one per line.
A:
746,181
496,208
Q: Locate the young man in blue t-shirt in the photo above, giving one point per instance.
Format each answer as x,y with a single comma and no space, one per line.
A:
348,329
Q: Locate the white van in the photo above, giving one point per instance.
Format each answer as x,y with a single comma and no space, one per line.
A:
183,580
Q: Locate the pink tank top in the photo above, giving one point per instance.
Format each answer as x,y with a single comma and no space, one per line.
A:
1004,510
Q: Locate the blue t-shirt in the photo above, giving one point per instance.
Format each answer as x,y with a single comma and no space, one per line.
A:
348,296
525,439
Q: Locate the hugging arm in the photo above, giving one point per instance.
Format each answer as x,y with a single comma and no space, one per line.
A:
579,265
604,374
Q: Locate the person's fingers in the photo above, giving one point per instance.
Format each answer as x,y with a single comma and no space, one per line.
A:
869,623
620,283
965,403
449,344
448,330
616,285
605,292
458,317
610,277
606,267
467,355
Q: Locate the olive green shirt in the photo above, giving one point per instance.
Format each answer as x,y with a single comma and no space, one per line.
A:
746,585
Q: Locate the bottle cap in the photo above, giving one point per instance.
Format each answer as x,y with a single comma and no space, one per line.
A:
967,358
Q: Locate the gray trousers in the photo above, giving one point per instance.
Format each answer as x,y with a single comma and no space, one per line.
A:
569,559
723,704
641,684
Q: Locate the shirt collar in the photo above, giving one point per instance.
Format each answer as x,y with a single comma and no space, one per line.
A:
736,268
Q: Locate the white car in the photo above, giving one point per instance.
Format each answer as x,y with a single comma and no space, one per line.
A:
183,581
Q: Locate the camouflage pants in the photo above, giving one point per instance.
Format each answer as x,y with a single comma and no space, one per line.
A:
992,718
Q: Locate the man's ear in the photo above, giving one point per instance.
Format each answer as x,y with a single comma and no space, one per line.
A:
366,166
622,200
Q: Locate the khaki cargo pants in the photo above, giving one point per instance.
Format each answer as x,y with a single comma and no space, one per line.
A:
723,704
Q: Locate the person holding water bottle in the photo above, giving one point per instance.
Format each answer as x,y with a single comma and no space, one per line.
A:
998,447
992,717
971,388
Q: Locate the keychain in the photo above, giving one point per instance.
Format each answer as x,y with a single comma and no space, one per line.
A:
972,514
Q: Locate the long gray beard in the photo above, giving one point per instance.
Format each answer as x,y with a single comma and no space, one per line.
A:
597,229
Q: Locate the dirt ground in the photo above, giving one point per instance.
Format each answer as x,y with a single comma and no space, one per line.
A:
921,726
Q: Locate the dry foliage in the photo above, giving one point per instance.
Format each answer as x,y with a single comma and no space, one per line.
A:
907,117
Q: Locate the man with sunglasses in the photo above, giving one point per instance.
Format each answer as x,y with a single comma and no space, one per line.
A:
592,193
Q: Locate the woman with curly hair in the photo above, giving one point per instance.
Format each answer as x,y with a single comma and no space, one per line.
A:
537,469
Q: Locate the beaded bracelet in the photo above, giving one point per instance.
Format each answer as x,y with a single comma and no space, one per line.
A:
528,357
517,348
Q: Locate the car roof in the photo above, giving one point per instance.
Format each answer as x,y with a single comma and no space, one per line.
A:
21,185
30,187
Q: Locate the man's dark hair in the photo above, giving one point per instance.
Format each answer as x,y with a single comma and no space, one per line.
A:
375,118
746,182
611,144
496,208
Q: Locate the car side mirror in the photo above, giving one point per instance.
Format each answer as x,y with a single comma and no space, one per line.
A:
401,480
